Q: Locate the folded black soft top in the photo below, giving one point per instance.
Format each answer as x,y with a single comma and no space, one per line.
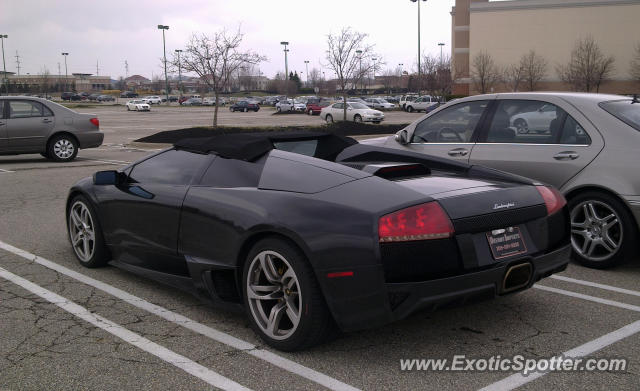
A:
250,146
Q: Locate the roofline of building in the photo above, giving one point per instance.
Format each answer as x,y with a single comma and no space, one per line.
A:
545,4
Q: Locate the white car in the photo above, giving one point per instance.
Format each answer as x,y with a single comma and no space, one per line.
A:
379,103
152,100
138,105
356,112
538,121
404,99
424,103
290,105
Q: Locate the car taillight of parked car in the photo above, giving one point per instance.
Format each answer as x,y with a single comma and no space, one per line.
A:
420,222
95,121
552,199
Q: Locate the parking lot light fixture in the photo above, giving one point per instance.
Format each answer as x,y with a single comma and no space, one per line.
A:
65,54
359,53
178,51
5,80
164,50
306,64
419,70
441,46
286,64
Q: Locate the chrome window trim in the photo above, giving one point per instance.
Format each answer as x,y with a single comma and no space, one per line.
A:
563,145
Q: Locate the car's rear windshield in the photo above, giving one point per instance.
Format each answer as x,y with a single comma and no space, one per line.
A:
625,110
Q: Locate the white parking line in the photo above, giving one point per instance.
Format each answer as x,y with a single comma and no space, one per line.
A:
169,356
589,298
219,336
517,379
597,285
1,170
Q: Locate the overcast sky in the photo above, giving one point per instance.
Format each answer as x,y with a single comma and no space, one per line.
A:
114,31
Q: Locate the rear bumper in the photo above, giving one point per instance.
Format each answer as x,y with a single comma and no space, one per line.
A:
380,303
90,139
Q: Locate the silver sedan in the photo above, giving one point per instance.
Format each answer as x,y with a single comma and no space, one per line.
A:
34,125
584,144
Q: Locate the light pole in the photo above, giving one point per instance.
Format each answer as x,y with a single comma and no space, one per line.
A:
359,53
66,76
286,62
4,75
374,72
164,51
306,64
179,71
419,69
441,46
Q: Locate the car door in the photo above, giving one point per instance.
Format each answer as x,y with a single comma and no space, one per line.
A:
141,218
28,125
553,154
3,128
449,132
337,112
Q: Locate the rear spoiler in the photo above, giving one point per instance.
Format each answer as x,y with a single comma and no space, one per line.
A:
372,154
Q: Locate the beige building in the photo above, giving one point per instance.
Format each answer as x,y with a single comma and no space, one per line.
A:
509,29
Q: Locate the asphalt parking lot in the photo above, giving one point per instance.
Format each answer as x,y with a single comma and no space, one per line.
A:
66,327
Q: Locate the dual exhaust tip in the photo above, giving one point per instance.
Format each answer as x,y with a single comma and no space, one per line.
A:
517,277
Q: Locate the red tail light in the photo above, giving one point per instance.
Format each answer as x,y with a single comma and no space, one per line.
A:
95,121
552,199
420,222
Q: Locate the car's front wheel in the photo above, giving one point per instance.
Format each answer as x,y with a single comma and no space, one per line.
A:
282,297
62,148
328,119
357,118
602,230
521,126
410,109
85,234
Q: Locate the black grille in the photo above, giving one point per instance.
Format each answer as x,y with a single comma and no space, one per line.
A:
420,260
499,219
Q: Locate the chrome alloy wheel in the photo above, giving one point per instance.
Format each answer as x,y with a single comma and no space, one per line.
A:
63,148
596,230
274,296
81,231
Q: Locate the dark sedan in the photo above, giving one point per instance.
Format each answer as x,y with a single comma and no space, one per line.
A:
307,230
244,106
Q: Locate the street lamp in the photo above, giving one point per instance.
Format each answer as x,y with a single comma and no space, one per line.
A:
374,71
66,76
164,50
5,80
441,46
179,71
359,53
419,70
306,64
286,64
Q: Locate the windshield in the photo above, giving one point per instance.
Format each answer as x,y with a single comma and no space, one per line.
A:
624,110
358,106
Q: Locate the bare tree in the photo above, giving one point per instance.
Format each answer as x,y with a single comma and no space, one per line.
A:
349,57
216,59
635,64
485,73
534,67
588,67
45,79
315,77
513,76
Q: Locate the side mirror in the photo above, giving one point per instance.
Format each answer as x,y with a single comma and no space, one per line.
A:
402,137
110,177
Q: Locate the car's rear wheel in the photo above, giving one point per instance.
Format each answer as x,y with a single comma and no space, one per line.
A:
278,109
231,109
282,297
602,230
410,109
245,110
62,148
128,109
85,234
521,126
357,118
328,119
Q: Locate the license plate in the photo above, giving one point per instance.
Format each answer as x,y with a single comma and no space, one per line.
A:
506,242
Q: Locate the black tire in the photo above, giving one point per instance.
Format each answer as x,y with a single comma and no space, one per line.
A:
623,234
278,109
357,118
128,109
245,110
315,324
521,125
410,109
101,255
62,155
328,118
231,109
45,155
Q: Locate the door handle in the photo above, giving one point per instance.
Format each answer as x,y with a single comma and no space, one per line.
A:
566,155
458,152
46,120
